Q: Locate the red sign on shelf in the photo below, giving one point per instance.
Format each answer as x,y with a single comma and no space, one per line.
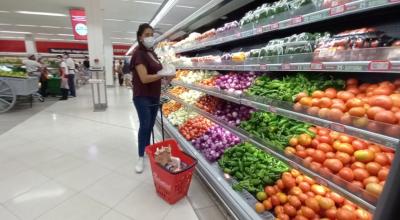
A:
337,10
78,21
316,66
297,20
274,26
379,65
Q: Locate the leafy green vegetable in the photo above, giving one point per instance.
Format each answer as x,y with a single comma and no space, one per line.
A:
251,167
288,87
274,128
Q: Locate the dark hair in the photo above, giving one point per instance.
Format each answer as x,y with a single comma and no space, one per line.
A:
140,31
66,54
59,56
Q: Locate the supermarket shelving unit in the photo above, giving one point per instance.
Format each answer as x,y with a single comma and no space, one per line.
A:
383,208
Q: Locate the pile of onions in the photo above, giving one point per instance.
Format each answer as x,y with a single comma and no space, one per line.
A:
235,82
214,142
233,113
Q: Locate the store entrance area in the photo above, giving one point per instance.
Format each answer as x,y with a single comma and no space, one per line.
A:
67,162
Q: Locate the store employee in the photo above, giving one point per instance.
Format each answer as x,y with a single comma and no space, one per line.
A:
71,73
32,66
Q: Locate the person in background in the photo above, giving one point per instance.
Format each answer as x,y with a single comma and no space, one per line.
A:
71,74
86,62
145,66
32,66
120,73
43,78
64,77
127,73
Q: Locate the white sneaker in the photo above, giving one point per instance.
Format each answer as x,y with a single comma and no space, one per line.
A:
139,165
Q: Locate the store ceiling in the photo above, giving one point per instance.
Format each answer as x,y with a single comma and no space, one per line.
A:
121,17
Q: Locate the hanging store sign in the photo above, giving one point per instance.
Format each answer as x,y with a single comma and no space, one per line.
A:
78,21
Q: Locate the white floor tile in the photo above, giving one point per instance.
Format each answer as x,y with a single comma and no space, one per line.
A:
128,169
144,203
181,210
38,200
16,185
210,213
81,177
56,167
11,167
6,215
79,207
198,195
36,157
113,215
111,189
110,159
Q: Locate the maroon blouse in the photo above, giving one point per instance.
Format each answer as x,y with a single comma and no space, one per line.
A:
141,56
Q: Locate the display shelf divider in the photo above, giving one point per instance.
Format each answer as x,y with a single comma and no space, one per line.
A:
368,205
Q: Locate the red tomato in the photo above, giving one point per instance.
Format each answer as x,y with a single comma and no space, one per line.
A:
360,174
354,102
344,214
381,101
318,156
318,94
333,164
382,159
325,139
289,210
351,82
346,174
363,87
335,114
314,143
359,144
357,164
347,148
353,90
307,212
330,93
370,179
395,99
325,147
345,138
357,111
330,155
345,158
344,95
383,173
294,201
313,204
325,102
270,190
373,168
336,197
310,151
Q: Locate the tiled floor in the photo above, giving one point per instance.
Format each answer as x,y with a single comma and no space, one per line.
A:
67,162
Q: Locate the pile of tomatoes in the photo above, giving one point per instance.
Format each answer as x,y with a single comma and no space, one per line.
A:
296,196
209,81
361,105
195,127
363,164
177,90
208,103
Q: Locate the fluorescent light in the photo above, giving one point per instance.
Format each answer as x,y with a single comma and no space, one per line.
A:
25,25
45,26
41,38
116,42
164,10
47,34
70,28
112,19
2,24
147,2
4,12
138,22
65,34
9,37
57,39
16,32
131,32
41,13
165,24
184,6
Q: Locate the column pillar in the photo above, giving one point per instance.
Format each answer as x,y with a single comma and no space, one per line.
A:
96,46
30,44
109,59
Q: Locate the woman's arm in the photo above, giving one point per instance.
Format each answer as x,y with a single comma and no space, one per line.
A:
144,76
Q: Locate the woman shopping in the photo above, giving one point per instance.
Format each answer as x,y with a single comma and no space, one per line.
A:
146,69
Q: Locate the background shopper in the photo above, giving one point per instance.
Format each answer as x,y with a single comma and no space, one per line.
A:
127,73
120,73
43,77
71,74
64,77
146,87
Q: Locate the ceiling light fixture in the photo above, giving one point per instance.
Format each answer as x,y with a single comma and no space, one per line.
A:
4,12
54,27
147,2
140,22
57,39
112,19
41,13
164,10
47,34
41,38
184,6
16,32
25,25
5,24
117,42
9,37
65,34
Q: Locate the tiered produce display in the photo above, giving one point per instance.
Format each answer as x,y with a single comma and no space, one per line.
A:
305,141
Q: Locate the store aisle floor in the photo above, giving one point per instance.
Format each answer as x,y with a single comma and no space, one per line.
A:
67,162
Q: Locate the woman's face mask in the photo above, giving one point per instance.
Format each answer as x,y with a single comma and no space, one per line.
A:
148,42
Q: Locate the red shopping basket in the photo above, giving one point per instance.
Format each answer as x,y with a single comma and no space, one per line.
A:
171,186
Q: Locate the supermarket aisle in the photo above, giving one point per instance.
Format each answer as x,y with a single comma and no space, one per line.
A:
67,162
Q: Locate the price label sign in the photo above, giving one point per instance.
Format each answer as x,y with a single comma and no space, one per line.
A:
379,65
316,66
259,30
286,66
263,67
274,26
238,35
297,20
337,10
337,127
335,3
272,109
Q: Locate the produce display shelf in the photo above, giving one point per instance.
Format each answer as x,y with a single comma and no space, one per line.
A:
317,16
357,196
240,203
290,113
347,66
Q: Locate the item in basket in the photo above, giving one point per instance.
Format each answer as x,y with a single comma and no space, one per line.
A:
164,157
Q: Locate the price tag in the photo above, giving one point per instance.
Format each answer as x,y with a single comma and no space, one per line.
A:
286,66
272,109
259,30
316,66
327,52
337,127
337,10
238,35
297,20
263,67
379,65
274,26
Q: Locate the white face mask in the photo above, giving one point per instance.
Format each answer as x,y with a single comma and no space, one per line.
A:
149,42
